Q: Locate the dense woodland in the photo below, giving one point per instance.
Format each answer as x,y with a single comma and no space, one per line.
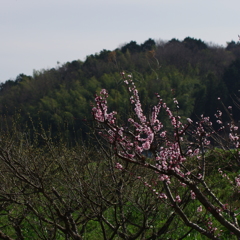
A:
192,71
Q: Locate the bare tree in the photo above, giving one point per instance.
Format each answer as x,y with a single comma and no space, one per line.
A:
50,191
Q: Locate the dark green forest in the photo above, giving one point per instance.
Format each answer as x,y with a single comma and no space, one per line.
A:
192,71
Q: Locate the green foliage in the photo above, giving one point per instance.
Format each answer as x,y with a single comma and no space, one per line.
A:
194,72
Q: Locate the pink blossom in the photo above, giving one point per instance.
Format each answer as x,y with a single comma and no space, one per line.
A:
189,120
163,134
193,195
175,101
119,166
103,91
196,152
199,176
178,199
146,145
199,209
237,180
162,196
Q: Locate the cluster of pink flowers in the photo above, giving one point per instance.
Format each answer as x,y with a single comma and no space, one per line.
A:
178,199
237,180
144,131
199,209
131,144
203,131
100,111
119,166
193,195
233,135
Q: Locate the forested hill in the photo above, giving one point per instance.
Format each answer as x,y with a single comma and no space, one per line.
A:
190,70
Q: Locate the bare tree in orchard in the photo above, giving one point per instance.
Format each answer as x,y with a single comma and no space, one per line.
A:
50,191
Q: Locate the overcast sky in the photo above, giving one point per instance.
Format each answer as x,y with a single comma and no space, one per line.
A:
36,34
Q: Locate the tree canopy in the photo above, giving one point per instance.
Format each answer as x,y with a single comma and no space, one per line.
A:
196,73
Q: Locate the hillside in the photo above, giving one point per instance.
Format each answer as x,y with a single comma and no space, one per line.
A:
192,71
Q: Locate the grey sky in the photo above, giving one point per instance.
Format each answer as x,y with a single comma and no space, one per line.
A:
35,34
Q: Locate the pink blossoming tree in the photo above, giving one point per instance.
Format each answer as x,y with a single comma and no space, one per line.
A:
177,156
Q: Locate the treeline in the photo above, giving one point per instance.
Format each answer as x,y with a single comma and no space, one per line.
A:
192,71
